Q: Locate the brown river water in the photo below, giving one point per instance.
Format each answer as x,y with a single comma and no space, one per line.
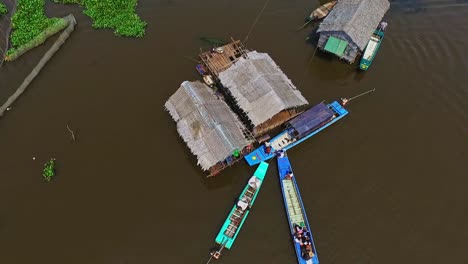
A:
387,184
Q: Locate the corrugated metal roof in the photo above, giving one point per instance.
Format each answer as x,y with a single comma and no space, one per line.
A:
336,46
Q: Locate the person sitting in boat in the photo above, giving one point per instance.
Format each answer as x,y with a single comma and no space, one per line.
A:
306,251
298,238
267,147
243,204
344,101
289,175
280,153
254,182
383,25
298,231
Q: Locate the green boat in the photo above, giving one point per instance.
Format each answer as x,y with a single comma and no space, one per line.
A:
239,212
372,47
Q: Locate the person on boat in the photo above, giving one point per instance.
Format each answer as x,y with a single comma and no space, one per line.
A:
289,175
307,252
243,204
298,231
267,147
344,101
280,153
254,182
298,238
383,25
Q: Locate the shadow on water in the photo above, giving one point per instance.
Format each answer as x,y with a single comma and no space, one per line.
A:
210,42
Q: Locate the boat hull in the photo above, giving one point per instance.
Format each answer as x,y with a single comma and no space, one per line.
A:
321,12
366,62
228,241
295,210
259,154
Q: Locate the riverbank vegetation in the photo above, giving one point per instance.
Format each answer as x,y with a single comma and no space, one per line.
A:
3,9
115,14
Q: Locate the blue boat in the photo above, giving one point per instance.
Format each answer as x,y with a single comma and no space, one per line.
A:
299,129
239,212
306,254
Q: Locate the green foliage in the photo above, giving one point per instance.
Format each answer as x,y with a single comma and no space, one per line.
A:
29,21
58,26
117,14
3,9
49,170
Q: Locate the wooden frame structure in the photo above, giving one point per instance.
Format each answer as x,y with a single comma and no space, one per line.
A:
217,62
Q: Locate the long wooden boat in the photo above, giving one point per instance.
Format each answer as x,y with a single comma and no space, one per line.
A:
299,129
372,47
237,216
321,12
295,211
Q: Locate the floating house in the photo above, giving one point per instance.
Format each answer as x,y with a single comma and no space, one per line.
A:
211,130
346,31
263,95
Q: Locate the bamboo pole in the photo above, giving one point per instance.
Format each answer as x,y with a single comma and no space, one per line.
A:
55,47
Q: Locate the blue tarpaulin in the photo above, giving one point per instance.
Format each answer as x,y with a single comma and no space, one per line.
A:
311,119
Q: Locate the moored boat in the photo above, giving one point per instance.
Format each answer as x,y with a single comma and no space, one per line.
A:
297,218
207,78
321,12
372,47
239,212
298,129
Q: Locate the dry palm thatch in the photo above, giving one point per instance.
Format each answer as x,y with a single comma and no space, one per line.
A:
206,123
260,88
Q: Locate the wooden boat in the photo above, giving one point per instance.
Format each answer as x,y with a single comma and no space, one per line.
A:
372,47
299,129
237,216
207,78
295,211
321,12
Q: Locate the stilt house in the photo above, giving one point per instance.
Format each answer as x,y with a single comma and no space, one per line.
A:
346,31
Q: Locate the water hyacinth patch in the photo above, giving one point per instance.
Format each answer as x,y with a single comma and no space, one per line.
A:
29,21
49,170
119,15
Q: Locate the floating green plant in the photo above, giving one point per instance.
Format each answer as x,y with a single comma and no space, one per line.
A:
49,170
119,15
29,21
15,52
3,9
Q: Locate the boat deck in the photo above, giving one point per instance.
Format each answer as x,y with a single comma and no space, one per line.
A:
236,218
294,208
238,215
281,140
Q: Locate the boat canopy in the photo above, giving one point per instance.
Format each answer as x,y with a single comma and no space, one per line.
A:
311,119
336,46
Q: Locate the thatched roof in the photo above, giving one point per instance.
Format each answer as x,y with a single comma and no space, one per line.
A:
260,88
208,126
357,18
